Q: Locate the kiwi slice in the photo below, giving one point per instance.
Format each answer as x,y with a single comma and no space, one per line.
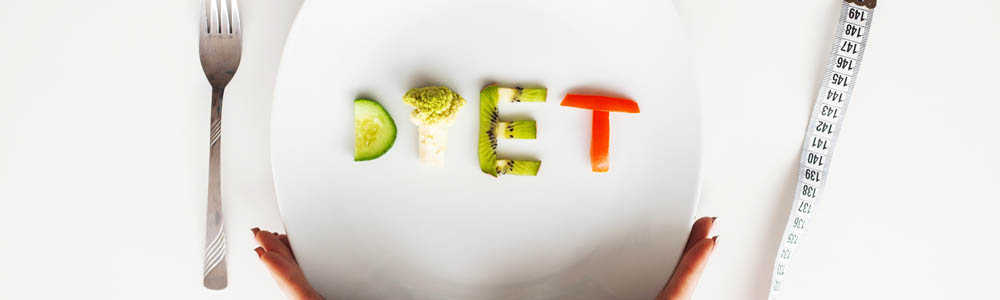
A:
519,94
491,129
515,130
518,167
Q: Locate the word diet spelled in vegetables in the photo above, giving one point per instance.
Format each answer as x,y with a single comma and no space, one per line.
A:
436,107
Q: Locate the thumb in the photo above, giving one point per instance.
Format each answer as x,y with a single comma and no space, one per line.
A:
685,279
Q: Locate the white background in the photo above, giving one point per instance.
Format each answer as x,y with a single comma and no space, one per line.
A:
103,109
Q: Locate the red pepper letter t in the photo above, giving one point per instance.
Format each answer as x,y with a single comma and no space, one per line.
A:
600,129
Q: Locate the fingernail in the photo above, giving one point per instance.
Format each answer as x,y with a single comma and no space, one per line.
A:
275,233
716,227
715,241
260,251
255,230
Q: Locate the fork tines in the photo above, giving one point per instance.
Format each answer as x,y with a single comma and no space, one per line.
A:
218,18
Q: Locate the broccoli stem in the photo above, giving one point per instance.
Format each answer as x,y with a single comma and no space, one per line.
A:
432,143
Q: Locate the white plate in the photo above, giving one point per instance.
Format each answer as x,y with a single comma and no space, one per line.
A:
395,229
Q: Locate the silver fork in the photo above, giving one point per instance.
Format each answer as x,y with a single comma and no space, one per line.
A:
221,46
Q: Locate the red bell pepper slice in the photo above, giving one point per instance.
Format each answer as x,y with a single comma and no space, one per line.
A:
600,132
600,127
601,103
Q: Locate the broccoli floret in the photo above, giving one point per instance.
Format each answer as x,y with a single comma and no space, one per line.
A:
433,105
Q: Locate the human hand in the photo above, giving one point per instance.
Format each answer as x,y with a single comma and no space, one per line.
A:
696,252
277,256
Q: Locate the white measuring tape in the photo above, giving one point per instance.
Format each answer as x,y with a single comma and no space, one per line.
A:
824,128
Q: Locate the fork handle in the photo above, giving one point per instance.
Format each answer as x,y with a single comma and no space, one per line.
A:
215,276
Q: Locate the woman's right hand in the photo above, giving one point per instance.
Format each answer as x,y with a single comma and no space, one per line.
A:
699,247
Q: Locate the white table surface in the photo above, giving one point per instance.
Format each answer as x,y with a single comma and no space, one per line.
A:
103,116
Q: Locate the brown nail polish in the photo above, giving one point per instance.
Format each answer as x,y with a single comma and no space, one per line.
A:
255,230
260,251
713,219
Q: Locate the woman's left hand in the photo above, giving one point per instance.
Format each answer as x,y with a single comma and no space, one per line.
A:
276,253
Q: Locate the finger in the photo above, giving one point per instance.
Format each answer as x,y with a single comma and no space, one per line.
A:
282,268
699,231
289,276
286,273
270,242
284,240
682,284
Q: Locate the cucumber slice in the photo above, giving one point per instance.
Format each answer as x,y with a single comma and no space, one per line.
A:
374,130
